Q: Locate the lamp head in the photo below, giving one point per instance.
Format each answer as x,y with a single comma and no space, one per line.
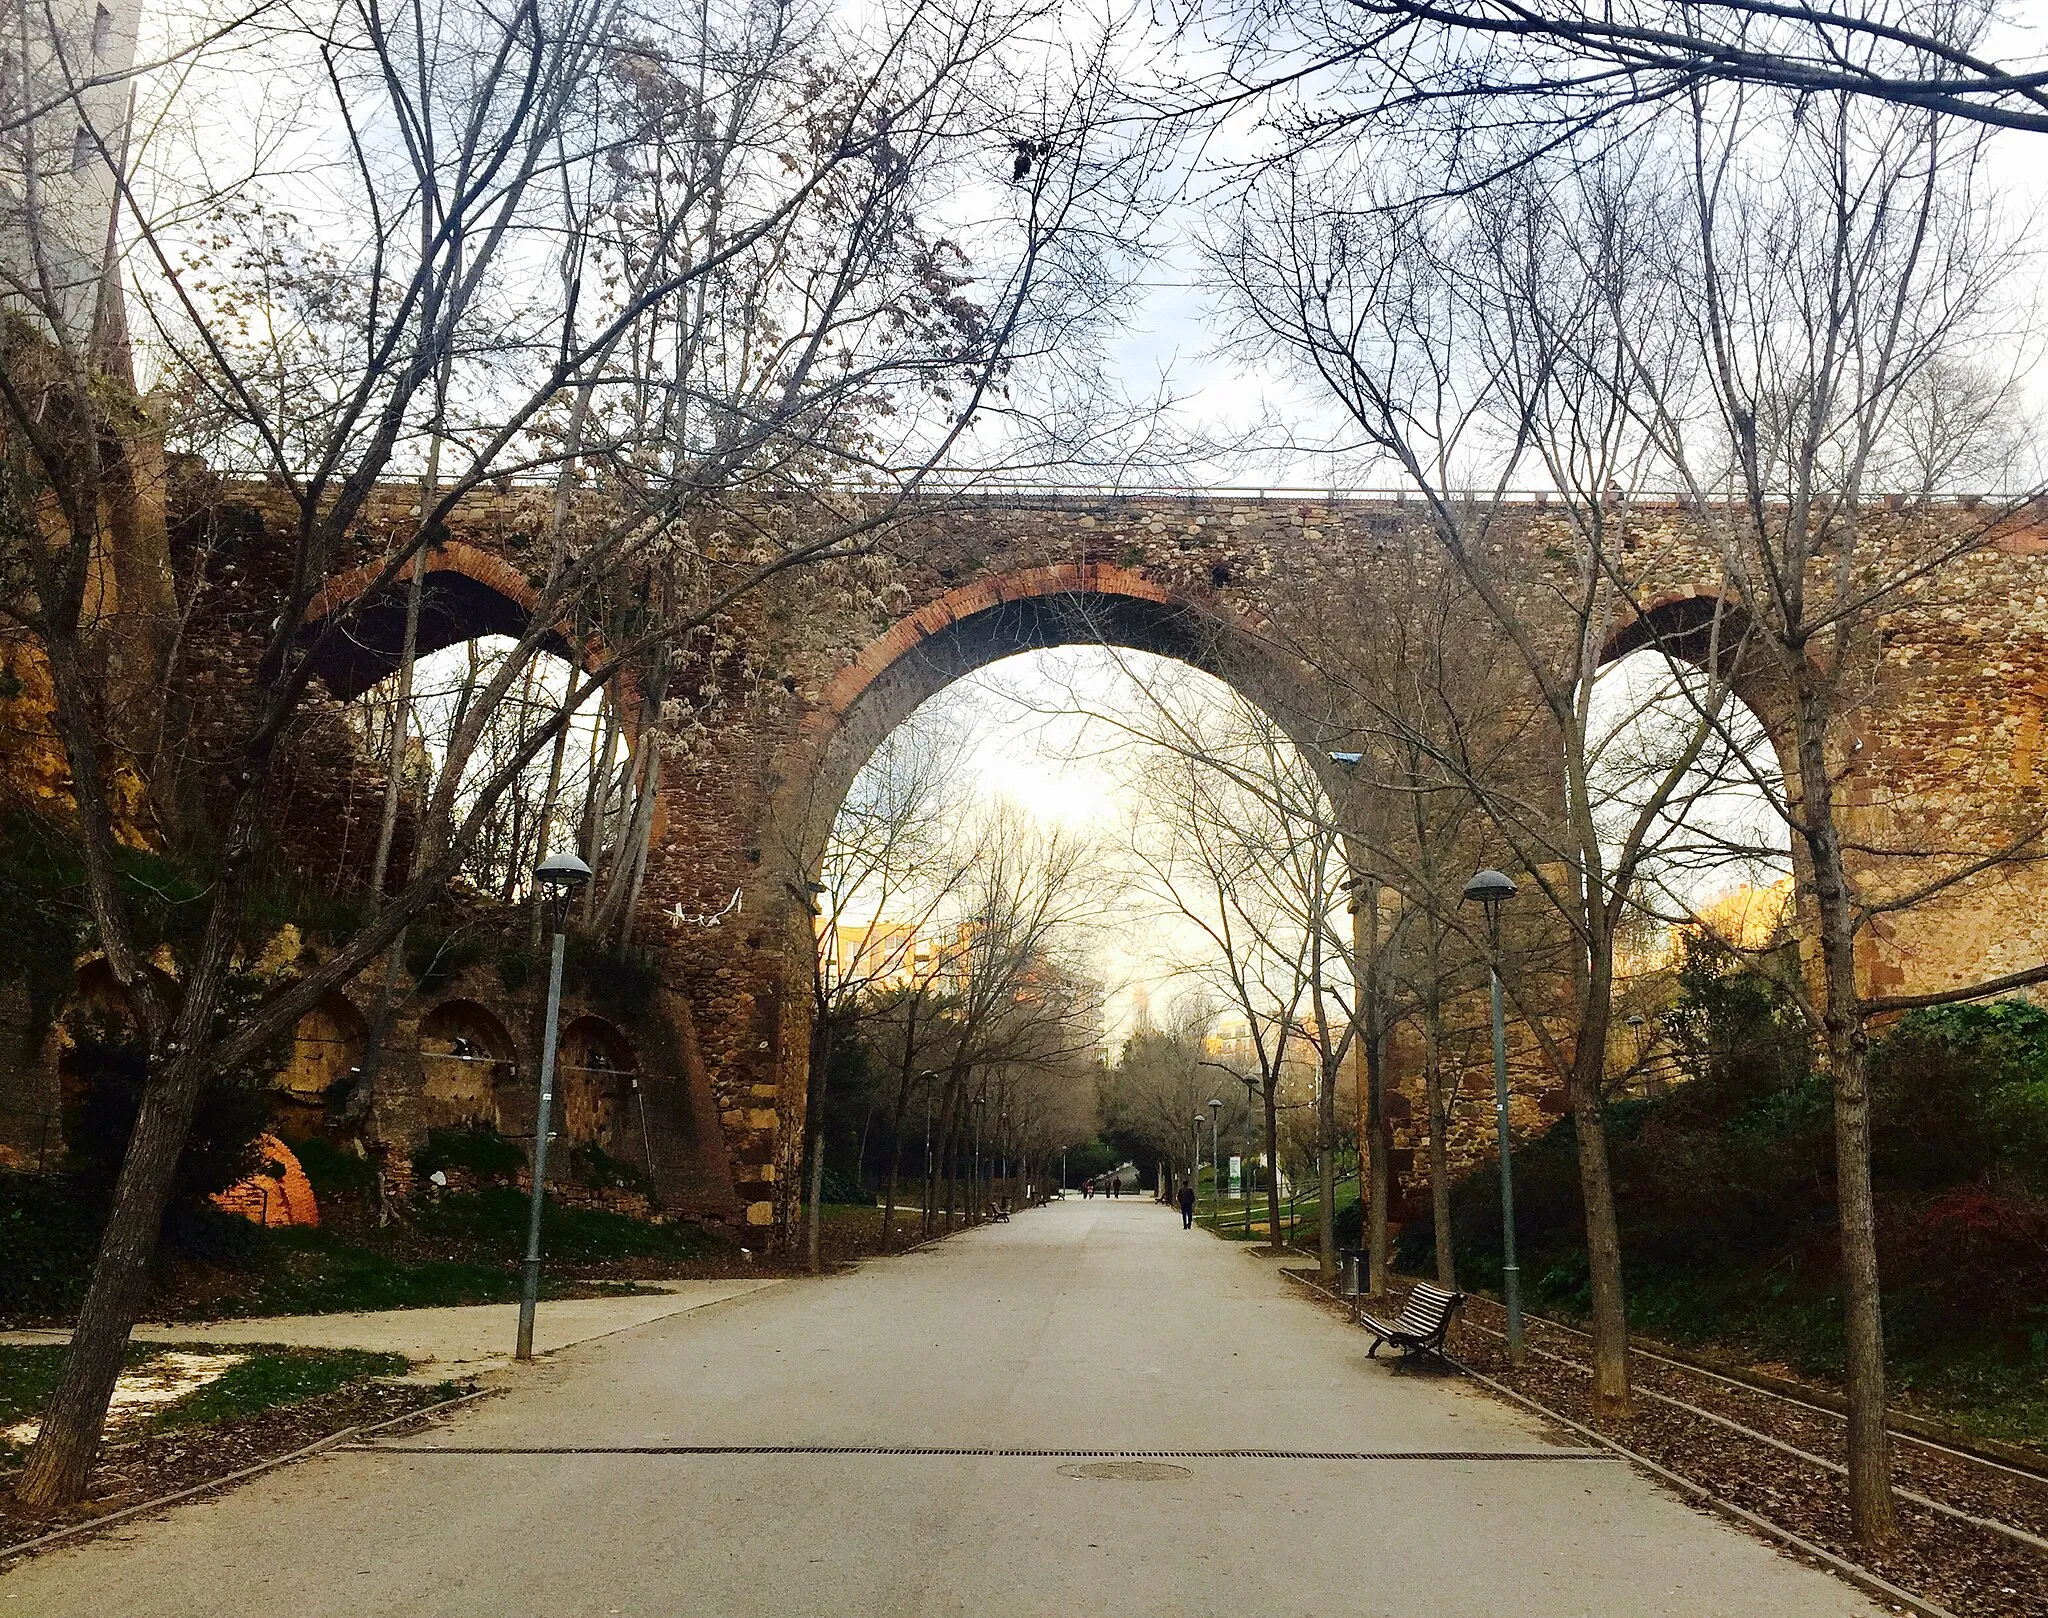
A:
561,871
1215,1105
1490,888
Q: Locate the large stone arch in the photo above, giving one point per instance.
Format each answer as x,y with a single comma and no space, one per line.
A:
1709,628
967,628
1911,802
1947,749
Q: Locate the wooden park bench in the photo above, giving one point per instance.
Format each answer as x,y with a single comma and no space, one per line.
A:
1002,1210
1424,1324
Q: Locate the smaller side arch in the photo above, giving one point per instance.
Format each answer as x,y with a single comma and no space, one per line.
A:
327,1048
467,1066
596,1075
467,594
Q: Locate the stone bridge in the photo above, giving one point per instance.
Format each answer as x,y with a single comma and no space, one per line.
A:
1944,753
1285,598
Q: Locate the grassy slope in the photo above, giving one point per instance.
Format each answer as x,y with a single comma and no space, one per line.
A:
1729,1237
462,1249
270,1377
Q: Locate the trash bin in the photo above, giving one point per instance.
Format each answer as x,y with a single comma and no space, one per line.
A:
1357,1270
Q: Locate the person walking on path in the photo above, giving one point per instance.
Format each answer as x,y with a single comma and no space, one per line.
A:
1187,1207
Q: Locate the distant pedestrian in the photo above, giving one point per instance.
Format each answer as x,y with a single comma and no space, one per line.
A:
1087,1188
1116,1186
1187,1207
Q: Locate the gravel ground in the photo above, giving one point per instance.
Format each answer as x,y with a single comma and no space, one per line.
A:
148,1468
1970,1571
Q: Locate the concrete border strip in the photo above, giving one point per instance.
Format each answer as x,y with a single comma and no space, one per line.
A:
10,1553
1855,1573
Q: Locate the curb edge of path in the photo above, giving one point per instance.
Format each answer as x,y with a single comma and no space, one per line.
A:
1873,1584
9,1554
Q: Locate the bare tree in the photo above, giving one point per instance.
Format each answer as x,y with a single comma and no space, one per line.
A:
1157,1085
892,866
1021,916
1578,64
768,338
1828,304
1474,338
1760,338
1246,855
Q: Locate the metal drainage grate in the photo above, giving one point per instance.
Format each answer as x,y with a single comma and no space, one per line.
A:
996,1453
1126,1472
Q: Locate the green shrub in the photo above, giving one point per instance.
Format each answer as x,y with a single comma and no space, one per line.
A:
590,1164
334,1171
107,1066
1959,1095
494,1221
478,1150
515,966
1724,1187
49,1228
621,986
840,1187
436,956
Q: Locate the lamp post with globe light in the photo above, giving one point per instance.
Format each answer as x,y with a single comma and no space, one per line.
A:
1490,890
1215,1166
558,876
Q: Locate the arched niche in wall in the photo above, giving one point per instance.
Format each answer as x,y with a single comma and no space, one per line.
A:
327,1048
467,1066
595,1072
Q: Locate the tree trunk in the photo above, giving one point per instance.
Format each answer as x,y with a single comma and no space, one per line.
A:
1596,1188
1326,1171
903,1083
942,1169
545,828
1379,1171
1872,1515
1439,1145
1276,1237
60,1464
597,795
812,1248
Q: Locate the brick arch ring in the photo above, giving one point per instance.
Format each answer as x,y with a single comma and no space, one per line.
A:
1032,609
469,593
967,628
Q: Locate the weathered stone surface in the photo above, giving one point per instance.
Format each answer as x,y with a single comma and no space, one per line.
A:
767,728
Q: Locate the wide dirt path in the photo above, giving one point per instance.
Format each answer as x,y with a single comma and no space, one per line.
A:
1082,1327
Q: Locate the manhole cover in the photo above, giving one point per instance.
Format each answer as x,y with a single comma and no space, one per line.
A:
1127,1472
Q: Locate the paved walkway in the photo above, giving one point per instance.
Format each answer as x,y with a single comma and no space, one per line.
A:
852,1446
452,1342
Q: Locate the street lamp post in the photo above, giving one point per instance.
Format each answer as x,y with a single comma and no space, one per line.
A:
1492,889
559,876
1251,1087
980,1101
1215,1166
1196,1179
